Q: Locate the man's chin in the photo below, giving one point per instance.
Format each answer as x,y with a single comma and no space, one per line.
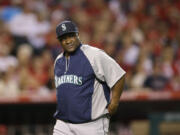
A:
71,51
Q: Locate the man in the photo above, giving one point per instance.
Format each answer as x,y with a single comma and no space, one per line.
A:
84,76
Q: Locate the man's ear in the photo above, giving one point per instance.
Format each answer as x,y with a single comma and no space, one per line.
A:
77,34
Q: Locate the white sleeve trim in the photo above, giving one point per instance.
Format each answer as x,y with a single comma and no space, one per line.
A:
59,56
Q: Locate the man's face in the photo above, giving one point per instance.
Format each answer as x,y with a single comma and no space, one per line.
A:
69,42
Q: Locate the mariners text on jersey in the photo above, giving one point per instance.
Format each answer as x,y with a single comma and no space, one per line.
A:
73,79
83,82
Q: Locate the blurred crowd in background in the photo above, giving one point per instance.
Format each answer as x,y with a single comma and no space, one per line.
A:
143,36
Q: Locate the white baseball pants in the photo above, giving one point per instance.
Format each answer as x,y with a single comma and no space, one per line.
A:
98,127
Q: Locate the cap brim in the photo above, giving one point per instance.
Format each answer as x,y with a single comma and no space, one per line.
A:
66,33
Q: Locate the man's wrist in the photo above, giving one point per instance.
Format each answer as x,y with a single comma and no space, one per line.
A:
114,103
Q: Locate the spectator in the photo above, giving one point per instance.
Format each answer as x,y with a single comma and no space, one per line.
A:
11,10
174,84
131,52
23,25
156,81
167,61
6,60
38,71
9,86
37,40
139,77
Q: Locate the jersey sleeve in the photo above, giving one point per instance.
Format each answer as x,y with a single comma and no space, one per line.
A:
107,69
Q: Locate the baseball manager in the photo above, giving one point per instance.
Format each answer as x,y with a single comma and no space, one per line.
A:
84,78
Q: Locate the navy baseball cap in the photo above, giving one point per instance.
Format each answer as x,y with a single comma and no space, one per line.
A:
66,27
